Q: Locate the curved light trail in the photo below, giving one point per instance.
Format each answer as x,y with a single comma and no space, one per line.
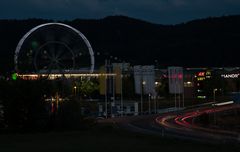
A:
184,122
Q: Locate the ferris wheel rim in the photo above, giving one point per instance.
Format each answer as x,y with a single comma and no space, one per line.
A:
22,40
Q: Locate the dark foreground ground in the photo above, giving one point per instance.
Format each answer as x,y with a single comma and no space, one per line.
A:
103,138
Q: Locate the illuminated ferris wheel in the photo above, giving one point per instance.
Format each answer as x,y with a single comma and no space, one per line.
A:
53,48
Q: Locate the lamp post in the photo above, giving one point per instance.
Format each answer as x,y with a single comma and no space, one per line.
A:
122,70
149,103
75,90
156,95
214,94
141,87
106,87
214,107
141,83
142,93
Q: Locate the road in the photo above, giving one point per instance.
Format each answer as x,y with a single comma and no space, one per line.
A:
183,124
180,125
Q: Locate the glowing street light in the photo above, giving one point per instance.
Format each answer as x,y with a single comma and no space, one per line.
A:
75,90
142,90
214,114
214,93
149,103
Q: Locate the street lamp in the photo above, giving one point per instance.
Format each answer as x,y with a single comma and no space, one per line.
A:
75,90
214,107
142,92
149,103
157,84
214,93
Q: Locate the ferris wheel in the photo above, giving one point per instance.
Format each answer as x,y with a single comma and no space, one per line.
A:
53,48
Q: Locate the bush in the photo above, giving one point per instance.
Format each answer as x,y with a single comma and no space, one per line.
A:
25,109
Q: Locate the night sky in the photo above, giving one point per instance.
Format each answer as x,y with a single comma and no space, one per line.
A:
156,11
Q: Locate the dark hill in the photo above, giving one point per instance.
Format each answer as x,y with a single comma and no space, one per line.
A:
205,42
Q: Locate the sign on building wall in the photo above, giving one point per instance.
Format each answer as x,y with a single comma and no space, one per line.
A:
175,77
230,76
144,78
148,79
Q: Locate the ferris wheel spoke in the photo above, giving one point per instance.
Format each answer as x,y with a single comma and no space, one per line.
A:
61,71
52,51
51,65
60,53
42,62
61,64
68,64
48,55
63,54
60,68
47,61
49,68
66,58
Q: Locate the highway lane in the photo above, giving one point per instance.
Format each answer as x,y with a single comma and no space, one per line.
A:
183,124
179,124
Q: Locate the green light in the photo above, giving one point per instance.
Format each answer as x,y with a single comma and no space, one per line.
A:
34,44
14,76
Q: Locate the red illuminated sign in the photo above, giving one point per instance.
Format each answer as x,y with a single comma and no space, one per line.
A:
201,74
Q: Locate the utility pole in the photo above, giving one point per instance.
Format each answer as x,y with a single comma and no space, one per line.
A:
122,90
113,102
155,103
106,96
141,84
149,103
